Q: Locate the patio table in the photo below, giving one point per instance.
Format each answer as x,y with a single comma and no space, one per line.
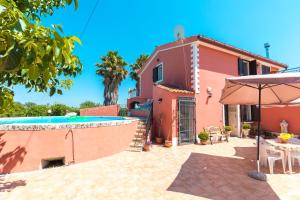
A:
291,145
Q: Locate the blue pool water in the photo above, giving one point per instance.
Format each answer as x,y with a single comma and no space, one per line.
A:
55,120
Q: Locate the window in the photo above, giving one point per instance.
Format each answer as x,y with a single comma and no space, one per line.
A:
249,113
265,69
243,67
246,67
158,73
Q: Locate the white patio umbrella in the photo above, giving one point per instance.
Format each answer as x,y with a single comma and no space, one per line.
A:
270,89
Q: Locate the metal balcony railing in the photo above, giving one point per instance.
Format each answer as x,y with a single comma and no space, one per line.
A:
296,69
132,93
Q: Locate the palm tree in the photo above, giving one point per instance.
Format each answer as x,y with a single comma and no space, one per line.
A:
135,67
112,69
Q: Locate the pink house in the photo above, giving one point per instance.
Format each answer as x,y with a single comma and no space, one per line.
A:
185,78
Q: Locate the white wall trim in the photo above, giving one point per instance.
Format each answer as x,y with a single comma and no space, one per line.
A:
238,117
195,68
162,72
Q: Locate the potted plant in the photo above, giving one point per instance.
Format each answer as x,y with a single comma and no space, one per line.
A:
203,136
148,142
228,130
284,137
159,139
246,129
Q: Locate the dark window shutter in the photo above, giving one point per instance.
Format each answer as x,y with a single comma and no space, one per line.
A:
240,67
265,69
226,113
154,75
253,68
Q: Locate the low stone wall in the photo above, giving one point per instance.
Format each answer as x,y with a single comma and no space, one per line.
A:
112,110
26,150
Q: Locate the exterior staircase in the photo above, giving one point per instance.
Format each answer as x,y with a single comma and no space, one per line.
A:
139,138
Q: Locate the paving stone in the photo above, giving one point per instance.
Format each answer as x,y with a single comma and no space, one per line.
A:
216,171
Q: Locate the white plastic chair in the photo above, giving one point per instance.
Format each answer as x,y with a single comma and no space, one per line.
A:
262,152
295,155
273,155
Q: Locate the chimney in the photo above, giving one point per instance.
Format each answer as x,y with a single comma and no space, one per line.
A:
267,46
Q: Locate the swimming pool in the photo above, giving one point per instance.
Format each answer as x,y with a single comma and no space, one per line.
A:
59,122
58,119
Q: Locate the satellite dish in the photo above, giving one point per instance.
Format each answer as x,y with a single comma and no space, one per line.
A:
179,32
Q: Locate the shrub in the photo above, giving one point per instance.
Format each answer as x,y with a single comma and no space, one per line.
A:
73,109
88,104
123,112
15,110
246,126
58,110
37,110
203,136
228,128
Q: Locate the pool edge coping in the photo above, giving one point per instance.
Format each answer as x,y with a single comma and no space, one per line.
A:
74,125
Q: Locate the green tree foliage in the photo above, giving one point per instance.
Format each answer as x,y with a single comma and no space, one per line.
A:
38,57
59,110
30,109
89,104
16,110
112,69
135,67
37,110
123,112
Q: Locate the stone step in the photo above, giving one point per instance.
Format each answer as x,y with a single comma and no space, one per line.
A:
132,149
141,131
137,139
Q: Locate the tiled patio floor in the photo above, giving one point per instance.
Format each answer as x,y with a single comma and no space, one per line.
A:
188,172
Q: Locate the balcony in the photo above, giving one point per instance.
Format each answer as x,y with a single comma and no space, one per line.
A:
132,93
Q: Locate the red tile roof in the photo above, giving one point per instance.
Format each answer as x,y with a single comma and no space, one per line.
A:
173,89
215,43
241,51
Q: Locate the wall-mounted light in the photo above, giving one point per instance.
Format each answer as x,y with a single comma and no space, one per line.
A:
209,91
157,59
159,100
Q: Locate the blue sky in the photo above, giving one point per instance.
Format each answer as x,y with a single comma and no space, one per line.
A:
133,27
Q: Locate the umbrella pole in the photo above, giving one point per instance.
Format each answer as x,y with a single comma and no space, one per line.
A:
258,127
257,174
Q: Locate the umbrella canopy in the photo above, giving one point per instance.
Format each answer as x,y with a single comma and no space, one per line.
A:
275,89
267,89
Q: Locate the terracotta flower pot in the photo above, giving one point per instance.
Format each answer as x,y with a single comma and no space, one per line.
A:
158,140
146,147
168,143
204,142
